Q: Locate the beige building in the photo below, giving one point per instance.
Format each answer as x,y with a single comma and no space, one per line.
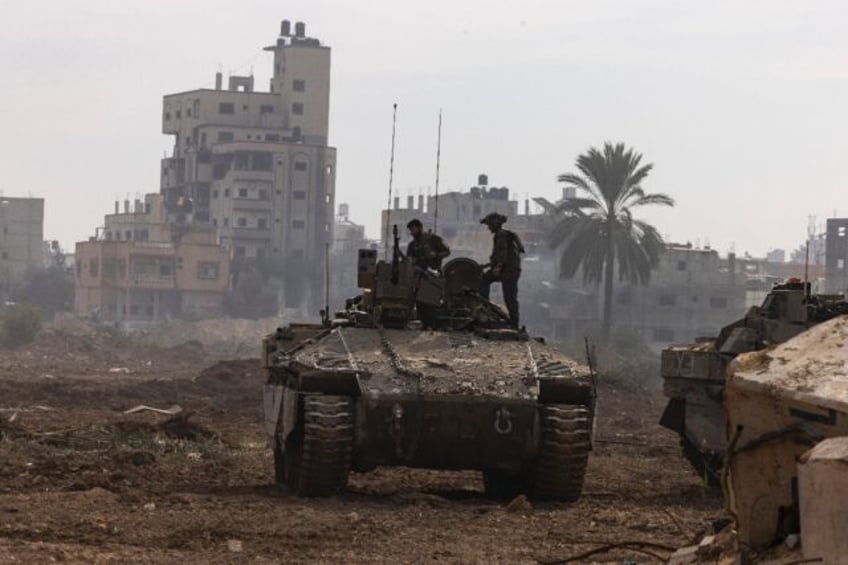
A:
256,167
21,234
140,269
459,218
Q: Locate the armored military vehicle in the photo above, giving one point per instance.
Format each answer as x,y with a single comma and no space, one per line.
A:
694,375
371,388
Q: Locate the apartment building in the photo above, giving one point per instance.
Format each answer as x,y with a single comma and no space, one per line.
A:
256,165
836,256
459,215
21,234
140,269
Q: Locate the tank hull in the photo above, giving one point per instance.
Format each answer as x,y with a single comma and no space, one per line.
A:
363,398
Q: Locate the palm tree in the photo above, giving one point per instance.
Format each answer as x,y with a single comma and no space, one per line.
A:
597,231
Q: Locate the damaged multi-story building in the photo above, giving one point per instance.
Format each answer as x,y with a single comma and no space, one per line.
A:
256,165
140,268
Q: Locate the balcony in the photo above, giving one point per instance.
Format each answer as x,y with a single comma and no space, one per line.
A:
251,204
152,281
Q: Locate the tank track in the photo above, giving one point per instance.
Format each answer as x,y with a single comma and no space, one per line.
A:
564,446
317,458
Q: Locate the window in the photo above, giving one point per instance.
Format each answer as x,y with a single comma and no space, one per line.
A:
179,114
207,270
242,193
188,112
262,224
681,265
244,107
5,256
241,251
266,109
263,194
299,195
226,221
225,136
226,193
219,170
297,108
664,335
841,231
260,252
93,266
272,137
298,224
261,161
300,166
242,222
215,193
167,116
718,302
299,85
667,299
297,253
840,263
166,270
226,108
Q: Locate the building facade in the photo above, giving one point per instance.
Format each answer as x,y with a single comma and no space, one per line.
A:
836,256
141,269
21,234
256,166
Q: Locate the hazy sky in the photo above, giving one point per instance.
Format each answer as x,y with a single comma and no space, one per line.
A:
741,106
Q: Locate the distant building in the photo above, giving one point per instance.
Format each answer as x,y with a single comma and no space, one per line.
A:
141,269
836,255
348,239
21,234
459,215
776,256
256,166
693,293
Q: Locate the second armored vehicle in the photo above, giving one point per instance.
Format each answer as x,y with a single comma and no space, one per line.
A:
371,388
694,375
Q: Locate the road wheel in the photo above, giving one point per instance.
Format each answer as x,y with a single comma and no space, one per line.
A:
318,451
565,442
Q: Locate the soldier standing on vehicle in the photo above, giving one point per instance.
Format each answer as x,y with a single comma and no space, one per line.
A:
504,264
426,249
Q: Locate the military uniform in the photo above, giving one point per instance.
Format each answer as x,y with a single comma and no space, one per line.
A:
427,251
505,264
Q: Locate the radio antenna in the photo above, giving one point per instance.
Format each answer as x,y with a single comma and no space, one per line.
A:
438,163
391,180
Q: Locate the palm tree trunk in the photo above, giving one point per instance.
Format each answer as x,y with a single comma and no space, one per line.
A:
608,274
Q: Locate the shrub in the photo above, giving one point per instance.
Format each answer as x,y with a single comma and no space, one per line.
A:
21,323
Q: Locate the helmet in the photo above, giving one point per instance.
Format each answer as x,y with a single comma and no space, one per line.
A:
493,218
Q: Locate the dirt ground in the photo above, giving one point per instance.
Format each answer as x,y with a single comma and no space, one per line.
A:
81,481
